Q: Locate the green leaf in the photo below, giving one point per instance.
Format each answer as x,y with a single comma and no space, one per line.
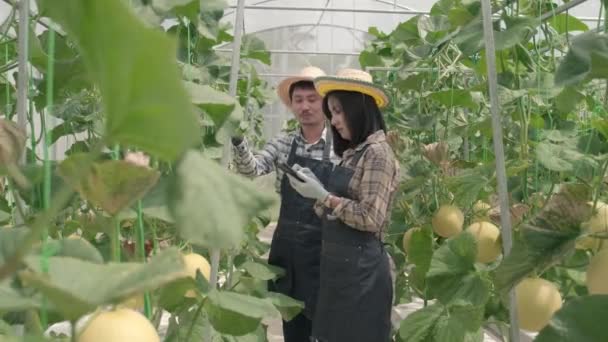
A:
237,314
134,66
577,320
568,100
76,287
217,105
456,256
76,248
455,98
467,185
473,288
601,125
419,325
519,30
459,16
549,156
370,58
287,306
406,32
253,47
12,300
421,249
587,59
112,184
460,321
452,273
564,22
10,240
211,206
262,271
547,236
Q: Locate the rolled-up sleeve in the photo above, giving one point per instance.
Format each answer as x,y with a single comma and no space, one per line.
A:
263,162
373,187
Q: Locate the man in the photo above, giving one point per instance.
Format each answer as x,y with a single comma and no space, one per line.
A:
296,242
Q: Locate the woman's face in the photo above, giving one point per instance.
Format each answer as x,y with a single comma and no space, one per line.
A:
338,119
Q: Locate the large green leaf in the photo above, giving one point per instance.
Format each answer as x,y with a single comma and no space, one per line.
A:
12,300
287,306
75,248
577,320
237,314
419,325
112,184
564,22
568,100
452,274
217,105
461,320
519,30
76,287
211,206
547,237
587,59
262,271
134,66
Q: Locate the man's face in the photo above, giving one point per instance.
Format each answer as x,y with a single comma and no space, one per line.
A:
307,106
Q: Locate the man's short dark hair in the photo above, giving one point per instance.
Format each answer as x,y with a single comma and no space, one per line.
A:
300,85
362,115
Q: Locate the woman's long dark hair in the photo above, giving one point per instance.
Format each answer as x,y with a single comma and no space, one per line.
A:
362,115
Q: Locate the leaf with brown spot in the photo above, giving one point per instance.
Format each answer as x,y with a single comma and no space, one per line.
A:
112,184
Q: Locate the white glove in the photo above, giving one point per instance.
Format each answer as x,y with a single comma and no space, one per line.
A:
310,187
308,172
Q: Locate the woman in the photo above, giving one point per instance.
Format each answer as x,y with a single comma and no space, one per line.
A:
356,292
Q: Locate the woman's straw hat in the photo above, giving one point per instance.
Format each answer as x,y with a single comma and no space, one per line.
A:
352,80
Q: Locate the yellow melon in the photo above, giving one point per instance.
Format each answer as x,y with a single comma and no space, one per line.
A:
537,301
448,221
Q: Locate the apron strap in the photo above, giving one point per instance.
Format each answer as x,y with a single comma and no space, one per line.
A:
358,156
328,142
292,151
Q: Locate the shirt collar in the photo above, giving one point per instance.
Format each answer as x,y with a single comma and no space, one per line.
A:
322,139
375,137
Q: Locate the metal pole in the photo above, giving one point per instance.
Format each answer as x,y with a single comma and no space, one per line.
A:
344,10
23,70
501,175
234,75
560,9
296,52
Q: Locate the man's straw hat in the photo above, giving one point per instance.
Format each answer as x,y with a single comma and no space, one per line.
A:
306,74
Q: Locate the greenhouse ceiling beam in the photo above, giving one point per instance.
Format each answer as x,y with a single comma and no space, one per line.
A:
561,9
323,9
303,52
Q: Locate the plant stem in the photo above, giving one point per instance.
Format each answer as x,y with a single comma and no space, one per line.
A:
196,314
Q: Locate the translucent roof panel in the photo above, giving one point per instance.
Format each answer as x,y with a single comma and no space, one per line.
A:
269,16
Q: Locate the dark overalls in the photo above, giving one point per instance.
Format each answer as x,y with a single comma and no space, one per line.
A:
356,292
296,245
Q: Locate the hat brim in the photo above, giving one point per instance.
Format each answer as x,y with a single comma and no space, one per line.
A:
283,87
327,84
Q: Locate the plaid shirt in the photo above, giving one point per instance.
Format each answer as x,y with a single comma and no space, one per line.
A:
277,151
372,188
